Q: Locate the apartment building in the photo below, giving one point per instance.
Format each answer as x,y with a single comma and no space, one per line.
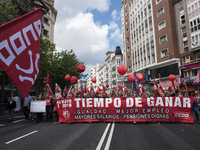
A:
107,73
149,39
187,14
49,17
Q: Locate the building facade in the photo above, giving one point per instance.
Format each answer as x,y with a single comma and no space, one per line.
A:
187,14
49,17
149,39
107,73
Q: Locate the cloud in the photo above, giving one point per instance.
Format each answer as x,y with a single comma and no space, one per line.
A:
115,15
70,8
88,40
75,29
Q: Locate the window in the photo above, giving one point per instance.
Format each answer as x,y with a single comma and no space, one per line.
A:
158,1
45,33
184,33
127,30
182,19
163,39
149,7
129,68
181,6
126,21
46,20
127,39
147,46
153,58
150,19
128,49
162,25
152,44
164,53
160,12
198,56
146,23
129,58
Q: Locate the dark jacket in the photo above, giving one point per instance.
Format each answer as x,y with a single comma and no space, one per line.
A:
12,105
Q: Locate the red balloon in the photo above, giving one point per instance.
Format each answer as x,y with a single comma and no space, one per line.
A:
81,68
122,69
80,93
74,80
107,85
140,77
67,77
130,78
94,80
171,77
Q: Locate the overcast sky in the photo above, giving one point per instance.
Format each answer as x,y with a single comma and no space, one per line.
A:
89,27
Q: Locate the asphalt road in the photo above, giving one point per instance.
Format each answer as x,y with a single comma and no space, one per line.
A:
22,135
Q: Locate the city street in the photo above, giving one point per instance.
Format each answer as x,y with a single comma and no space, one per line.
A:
116,136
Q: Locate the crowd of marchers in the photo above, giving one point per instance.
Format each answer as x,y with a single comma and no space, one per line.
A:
51,109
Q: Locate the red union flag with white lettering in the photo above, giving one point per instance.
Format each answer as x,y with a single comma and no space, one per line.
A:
20,49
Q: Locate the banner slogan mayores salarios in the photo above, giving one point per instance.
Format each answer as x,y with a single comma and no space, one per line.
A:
125,109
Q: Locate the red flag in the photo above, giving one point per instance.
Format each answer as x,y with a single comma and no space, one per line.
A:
161,91
172,87
20,49
120,86
143,89
98,90
176,82
49,92
86,90
184,86
197,78
155,85
58,91
65,90
169,89
48,79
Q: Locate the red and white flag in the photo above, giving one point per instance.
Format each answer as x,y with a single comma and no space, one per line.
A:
176,82
161,91
48,79
185,86
20,49
49,92
197,79
65,90
58,93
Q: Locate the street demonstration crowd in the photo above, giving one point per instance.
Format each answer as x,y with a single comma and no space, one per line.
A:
50,103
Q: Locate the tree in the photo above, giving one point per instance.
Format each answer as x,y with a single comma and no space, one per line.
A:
46,55
64,62
8,11
58,64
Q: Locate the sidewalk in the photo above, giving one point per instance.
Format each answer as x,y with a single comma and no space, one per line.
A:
6,116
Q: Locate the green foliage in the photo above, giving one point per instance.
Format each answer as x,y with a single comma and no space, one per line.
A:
58,64
8,11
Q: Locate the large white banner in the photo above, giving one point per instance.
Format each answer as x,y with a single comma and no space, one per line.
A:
38,106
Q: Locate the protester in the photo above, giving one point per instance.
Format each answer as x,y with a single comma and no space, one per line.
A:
26,106
49,104
32,113
198,98
55,110
11,108
39,117
195,109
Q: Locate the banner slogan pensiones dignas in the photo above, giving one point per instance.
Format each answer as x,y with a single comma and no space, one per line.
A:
125,109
